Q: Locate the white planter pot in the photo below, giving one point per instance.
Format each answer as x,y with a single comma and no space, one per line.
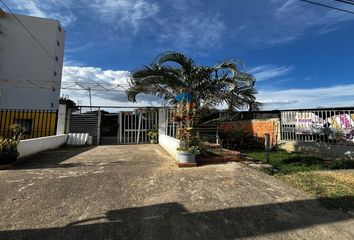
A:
185,157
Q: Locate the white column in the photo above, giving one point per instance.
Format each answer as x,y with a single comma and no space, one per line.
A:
61,119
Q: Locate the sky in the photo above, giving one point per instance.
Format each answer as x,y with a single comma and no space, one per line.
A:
301,55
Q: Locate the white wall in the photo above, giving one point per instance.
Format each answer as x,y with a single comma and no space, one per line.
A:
170,144
35,145
61,119
23,59
321,149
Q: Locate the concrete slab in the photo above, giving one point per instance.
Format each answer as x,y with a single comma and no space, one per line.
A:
138,192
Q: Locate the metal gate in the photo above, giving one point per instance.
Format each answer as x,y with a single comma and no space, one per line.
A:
121,127
134,126
88,122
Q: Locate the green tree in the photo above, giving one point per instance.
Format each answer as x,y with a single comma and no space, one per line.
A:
173,72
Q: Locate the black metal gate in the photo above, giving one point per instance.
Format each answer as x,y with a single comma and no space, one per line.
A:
87,122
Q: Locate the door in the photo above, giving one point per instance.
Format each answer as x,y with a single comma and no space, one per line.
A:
109,128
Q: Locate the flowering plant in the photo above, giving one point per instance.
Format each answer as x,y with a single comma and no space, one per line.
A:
185,115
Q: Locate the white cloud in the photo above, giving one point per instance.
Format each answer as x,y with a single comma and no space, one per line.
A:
283,22
80,48
197,30
91,77
265,72
59,10
179,24
125,13
340,95
294,18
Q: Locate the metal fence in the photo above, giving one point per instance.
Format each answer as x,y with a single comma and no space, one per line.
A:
172,126
322,125
207,132
33,123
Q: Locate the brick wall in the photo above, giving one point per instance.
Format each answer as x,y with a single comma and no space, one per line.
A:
257,127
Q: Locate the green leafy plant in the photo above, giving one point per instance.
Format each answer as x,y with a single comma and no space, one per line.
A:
193,149
188,142
185,112
9,144
153,134
238,138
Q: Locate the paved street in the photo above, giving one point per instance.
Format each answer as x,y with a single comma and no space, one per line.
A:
137,192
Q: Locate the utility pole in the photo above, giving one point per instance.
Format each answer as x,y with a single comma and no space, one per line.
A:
89,90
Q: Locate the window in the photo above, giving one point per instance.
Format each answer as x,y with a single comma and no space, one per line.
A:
58,43
56,58
25,124
55,73
59,28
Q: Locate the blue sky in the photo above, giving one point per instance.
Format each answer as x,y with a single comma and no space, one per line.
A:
302,55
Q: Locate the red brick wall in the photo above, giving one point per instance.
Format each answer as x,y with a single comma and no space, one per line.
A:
256,127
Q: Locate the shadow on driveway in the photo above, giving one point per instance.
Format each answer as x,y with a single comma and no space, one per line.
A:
173,221
52,158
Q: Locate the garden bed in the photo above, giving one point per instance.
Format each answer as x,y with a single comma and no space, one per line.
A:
219,155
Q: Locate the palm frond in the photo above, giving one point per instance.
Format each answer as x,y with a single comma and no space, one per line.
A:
210,86
186,63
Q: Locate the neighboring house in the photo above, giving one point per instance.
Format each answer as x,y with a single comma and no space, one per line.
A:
31,63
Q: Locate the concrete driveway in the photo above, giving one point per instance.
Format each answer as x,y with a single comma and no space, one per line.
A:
137,192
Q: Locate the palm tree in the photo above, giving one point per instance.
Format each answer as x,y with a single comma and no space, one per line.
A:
222,83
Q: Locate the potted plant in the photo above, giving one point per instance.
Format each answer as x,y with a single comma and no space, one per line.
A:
8,151
8,147
187,154
153,134
187,149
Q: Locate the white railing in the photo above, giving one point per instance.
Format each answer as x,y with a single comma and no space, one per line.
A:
318,125
171,126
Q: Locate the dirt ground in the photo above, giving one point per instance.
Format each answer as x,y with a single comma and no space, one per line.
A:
137,192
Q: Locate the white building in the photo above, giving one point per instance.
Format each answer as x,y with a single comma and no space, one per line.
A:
30,77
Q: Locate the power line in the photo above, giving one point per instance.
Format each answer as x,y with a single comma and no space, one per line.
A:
68,85
345,1
327,6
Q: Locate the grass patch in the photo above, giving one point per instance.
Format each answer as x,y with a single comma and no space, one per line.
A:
332,188
288,163
315,176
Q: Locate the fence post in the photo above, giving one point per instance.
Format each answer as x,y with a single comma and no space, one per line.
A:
98,126
67,120
120,127
139,126
266,147
162,121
